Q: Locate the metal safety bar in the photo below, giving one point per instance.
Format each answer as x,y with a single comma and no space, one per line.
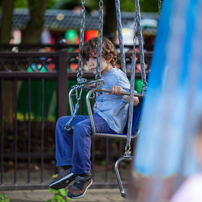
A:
127,155
88,104
90,114
82,86
116,168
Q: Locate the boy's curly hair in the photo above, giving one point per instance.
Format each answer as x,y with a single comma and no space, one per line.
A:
108,50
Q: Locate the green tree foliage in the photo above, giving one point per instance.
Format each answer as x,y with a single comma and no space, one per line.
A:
149,5
145,5
24,3
6,20
71,4
21,3
110,25
109,7
35,24
126,5
4,198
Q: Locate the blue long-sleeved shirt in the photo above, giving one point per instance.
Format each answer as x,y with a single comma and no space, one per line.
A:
113,109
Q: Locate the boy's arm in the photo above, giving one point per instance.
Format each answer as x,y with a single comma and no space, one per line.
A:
117,90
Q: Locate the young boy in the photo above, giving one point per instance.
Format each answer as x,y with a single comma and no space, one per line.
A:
73,148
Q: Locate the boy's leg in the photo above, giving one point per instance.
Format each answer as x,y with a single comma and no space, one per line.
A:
64,140
82,143
64,146
81,154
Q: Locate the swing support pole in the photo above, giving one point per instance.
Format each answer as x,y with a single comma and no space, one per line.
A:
127,155
83,84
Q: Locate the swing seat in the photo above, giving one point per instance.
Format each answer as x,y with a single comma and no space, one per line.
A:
136,118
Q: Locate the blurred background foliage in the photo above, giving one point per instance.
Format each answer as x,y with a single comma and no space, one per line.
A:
126,5
31,34
37,9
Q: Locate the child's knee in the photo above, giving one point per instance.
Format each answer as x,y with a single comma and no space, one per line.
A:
62,121
82,129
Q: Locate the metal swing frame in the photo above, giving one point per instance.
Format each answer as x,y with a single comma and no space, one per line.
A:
83,83
127,155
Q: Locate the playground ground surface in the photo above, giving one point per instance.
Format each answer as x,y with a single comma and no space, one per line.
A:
92,195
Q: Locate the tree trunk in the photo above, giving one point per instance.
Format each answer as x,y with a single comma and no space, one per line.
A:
6,20
5,37
35,24
110,25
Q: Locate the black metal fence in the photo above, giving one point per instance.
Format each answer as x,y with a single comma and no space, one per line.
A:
34,89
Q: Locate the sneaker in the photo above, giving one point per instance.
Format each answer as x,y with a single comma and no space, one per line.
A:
79,187
64,178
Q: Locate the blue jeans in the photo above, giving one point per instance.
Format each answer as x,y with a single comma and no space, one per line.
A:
75,149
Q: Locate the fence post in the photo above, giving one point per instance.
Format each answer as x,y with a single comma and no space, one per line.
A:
62,84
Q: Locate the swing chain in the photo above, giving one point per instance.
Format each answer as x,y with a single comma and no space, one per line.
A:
80,87
130,113
159,5
135,28
81,42
68,126
140,38
83,2
99,48
88,83
101,4
135,38
127,151
120,36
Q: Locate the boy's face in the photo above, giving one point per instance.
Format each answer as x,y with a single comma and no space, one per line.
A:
92,64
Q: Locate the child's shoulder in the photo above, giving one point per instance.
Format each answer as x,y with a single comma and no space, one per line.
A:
117,71
119,74
115,76
111,77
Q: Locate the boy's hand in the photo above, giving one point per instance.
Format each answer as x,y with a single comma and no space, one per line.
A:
116,90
